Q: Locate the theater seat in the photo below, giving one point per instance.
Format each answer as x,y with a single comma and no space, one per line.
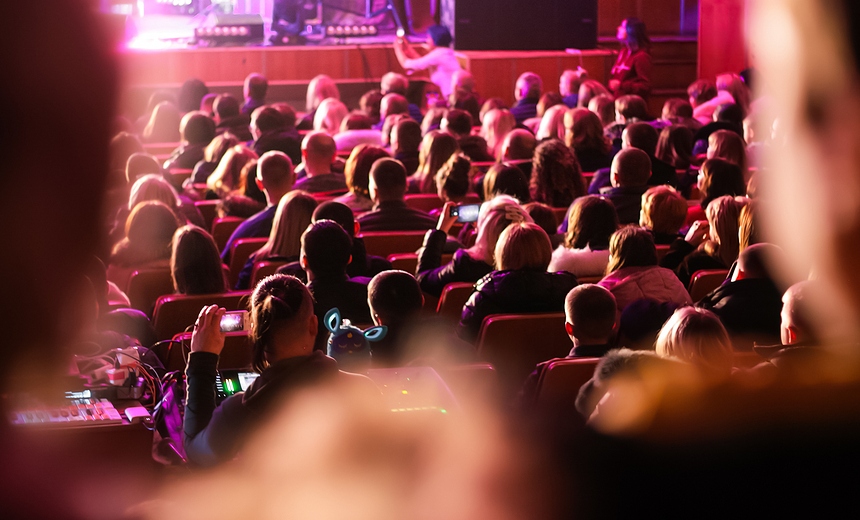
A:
222,228
454,297
237,353
208,208
241,250
515,343
176,176
384,243
265,268
145,286
424,201
409,261
175,313
560,381
559,215
706,280
662,249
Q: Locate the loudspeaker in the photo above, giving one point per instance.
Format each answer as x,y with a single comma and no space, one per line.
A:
521,25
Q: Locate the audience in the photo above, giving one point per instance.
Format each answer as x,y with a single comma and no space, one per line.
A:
663,213
568,85
585,251
583,132
163,125
357,176
496,124
274,130
717,178
527,93
631,169
212,156
387,188
329,116
641,136
148,234
436,149
318,154
356,129
405,143
502,179
196,130
194,263
696,336
228,118
459,124
556,177
227,175
395,300
254,89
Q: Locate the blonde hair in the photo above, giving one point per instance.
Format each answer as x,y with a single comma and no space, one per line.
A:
152,187
523,245
292,218
218,146
552,123
664,210
227,176
495,215
698,337
320,88
329,116
723,215
497,124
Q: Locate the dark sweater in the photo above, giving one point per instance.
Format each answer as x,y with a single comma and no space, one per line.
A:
433,277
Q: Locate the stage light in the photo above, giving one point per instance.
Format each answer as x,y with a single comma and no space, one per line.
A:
223,29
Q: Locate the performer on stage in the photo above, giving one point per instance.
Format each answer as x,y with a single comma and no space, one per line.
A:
287,21
440,60
632,71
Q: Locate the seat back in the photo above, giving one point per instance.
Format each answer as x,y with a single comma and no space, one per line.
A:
561,380
237,353
424,201
662,249
384,243
516,343
454,297
241,250
222,228
559,215
175,313
265,268
706,280
208,208
176,176
145,286
409,261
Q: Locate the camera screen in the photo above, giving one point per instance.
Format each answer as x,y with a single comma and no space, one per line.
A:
232,322
468,212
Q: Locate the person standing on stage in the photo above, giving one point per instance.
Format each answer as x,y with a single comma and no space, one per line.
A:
441,61
631,73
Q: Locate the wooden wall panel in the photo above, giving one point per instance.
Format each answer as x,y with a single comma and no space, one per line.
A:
660,16
722,41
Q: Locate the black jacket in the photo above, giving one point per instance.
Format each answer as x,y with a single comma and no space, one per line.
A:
348,295
395,215
685,260
750,310
287,141
433,277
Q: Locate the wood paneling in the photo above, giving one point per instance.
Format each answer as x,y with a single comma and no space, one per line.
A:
722,41
662,17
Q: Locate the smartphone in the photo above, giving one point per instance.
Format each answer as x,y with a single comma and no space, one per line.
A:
236,321
466,212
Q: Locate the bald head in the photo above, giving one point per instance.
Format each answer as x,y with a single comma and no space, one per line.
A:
275,175
758,260
630,167
394,82
798,309
393,104
255,87
387,180
318,151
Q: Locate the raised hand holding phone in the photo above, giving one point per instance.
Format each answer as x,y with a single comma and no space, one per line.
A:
447,217
207,335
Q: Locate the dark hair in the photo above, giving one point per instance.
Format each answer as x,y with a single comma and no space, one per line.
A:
632,106
440,34
408,133
556,175
149,232
226,106
632,167
543,216
459,121
675,146
195,264
503,179
190,94
702,90
677,108
140,163
357,169
257,86
643,136
731,113
637,36
338,212
327,247
389,175
122,146
268,118
591,223
631,246
453,177
199,128
277,302
369,103
356,120
592,310
394,296
720,177
287,112
467,101
249,176
547,100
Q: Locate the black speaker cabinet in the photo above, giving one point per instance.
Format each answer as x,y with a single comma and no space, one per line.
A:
521,24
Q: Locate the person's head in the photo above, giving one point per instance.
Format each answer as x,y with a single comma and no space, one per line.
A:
283,324
326,250
122,146
266,119
387,180
321,87
195,263
439,35
570,81
152,187
252,189
518,145
149,231
218,146
642,136
163,125
698,337
453,179
547,101
457,122
543,216
196,128
732,114
225,107
718,177
496,124
523,246
275,175
140,164
529,86
701,91
759,261
728,145
227,176
318,152
338,212
393,104
734,85
552,123
801,304
630,108
287,112
329,115
432,120
631,246
591,223
630,167
356,120
663,211
406,136
749,230
255,87
370,104
292,218
436,148
556,176
190,94
491,104
675,146
676,109
590,315
394,298
583,131
357,169
631,32
723,215
395,83
604,106
494,216
465,100
502,179
207,104
589,90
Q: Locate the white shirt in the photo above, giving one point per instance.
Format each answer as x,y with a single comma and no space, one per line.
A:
442,64
581,262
